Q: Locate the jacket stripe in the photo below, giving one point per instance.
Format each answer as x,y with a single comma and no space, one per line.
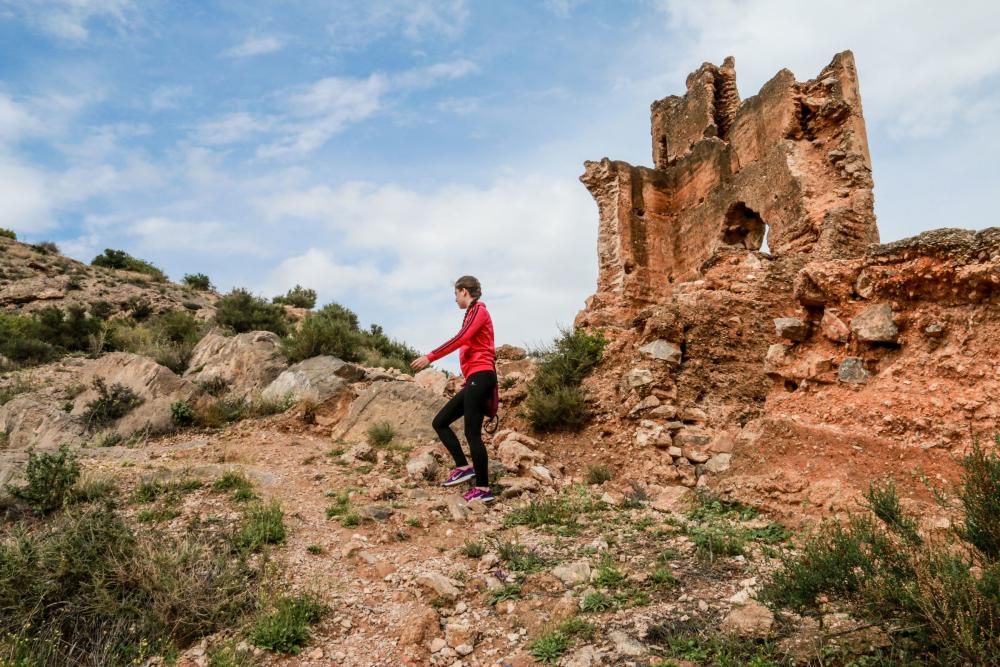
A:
469,317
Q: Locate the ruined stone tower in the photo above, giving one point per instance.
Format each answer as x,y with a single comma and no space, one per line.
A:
788,166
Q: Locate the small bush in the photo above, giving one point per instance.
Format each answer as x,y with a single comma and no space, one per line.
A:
110,405
599,474
596,601
181,413
50,477
380,434
286,629
299,297
46,247
198,281
241,311
119,259
8,233
334,330
262,524
236,482
937,599
555,400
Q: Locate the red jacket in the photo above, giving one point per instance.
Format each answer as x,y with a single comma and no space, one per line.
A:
474,342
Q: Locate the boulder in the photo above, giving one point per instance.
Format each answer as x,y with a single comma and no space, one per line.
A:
834,328
636,377
791,328
157,386
408,407
439,584
510,353
516,456
751,620
516,486
652,433
718,463
422,466
572,574
247,362
852,371
672,499
432,380
874,324
661,350
317,378
31,421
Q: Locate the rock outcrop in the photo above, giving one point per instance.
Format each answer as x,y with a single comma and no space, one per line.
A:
245,363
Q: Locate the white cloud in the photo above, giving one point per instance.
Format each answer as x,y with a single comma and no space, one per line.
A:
919,66
215,237
232,128
357,24
16,121
424,77
70,19
168,97
255,45
25,200
461,106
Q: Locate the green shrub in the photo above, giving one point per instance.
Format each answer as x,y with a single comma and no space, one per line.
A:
110,405
241,311
299,297
937,599
502,593
8,233
87,590
238,483
119,259
47,334
555,400
198,281
333,330
262,524
286,628
181,413
549,647
596,601
46,247
50,477
380,434
168,339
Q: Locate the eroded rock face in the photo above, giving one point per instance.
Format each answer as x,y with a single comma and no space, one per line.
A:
408,407
247,362
790,164
317,379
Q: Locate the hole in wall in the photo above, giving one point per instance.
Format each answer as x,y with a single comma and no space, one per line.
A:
743,227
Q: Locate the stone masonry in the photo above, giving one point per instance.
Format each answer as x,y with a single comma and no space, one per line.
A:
789,165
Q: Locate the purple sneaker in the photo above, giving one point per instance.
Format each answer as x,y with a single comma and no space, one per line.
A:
475,493
459,475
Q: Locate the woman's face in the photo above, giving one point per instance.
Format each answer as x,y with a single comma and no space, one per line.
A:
462,297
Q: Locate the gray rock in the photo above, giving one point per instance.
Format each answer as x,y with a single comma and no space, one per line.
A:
751,620
852,371
662,350
317,378
422,467
718,463
791,328
626,644
935,330
407,406
376,512
874,324
440,584
636,377
247,362
572,574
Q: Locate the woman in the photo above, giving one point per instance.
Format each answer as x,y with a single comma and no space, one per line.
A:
477,358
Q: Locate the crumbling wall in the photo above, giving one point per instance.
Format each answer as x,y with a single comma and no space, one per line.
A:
788,167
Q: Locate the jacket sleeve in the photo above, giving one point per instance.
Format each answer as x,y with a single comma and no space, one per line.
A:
473,323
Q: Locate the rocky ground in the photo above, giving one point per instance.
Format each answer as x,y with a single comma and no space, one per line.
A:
423,578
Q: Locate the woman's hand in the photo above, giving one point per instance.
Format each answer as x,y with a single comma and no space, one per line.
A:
420,363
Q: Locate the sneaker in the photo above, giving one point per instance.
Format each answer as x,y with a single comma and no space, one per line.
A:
475,493
459,475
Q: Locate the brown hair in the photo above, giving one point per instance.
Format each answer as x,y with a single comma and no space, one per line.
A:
470,283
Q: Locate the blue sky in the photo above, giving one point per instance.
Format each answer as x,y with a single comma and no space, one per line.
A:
377,150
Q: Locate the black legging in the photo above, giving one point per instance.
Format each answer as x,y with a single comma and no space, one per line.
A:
469,403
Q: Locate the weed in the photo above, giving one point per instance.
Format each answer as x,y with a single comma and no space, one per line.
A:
596,601
350,520
286,628
414,522
50,478
598,474
577,628
474,549
501,593
555,400
716,539
340,506
549,647
519,558
663,577
380,434
608,575
314,549
157,514
90,490
262,524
